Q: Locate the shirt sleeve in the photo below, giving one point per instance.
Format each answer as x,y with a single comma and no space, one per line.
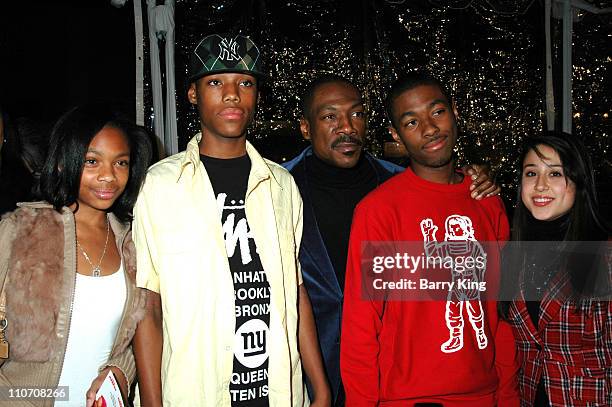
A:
298,217
506,357
507,366
142,232
361,323
503,226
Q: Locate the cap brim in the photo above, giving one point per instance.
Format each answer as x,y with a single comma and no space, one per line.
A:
258,75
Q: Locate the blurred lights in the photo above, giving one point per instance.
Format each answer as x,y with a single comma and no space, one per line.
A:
490,63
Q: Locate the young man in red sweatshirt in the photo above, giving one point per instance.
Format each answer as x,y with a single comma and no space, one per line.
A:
401,350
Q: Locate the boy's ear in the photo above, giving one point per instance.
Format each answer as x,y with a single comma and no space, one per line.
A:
394,134
192,95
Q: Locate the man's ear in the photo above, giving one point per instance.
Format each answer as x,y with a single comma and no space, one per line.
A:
455,111
192,95
394,134
305,128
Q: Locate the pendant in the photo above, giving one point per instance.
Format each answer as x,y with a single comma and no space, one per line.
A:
4,349
96,272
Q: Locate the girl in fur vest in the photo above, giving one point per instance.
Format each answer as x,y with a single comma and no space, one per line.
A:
68,264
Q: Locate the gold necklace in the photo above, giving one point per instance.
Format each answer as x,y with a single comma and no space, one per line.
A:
96,271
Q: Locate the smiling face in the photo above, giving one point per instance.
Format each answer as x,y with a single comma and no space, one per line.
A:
336,124
545,191
426,126
226,104
105,171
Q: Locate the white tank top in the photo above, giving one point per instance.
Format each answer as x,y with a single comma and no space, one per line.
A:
96,315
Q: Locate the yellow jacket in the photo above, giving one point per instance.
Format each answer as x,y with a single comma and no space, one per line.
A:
182,256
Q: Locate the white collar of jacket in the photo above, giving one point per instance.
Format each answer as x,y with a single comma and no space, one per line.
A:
260,170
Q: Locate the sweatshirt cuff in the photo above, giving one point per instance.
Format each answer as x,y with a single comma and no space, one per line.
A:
126,364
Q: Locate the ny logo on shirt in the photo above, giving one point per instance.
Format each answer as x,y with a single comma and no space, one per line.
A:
254,343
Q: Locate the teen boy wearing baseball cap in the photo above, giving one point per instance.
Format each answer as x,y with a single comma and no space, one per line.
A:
218,253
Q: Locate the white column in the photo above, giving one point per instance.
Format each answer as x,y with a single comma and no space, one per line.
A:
566,112
170,134
138,33
156,81
550,94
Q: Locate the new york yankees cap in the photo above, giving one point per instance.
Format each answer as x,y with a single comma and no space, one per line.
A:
219,53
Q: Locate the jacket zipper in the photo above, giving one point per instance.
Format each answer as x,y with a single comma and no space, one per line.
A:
69,320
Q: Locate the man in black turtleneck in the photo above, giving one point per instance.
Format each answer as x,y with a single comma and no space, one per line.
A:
333,176
335,192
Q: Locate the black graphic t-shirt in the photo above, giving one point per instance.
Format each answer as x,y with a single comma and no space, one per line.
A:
249,382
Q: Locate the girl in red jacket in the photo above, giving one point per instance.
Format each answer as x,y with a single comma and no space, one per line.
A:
561,318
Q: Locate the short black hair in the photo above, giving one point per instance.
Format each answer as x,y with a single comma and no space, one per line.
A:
70,138
312,87
408,82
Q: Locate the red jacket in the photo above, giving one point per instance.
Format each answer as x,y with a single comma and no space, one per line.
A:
391,351
571,349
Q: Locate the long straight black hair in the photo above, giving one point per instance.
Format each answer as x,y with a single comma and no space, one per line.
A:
70,138
584,222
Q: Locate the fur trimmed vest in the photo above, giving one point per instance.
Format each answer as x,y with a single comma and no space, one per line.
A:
41,282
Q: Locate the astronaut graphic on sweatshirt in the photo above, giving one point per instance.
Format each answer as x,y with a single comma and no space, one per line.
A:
459,244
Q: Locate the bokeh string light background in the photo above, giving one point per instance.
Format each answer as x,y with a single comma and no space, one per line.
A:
493,63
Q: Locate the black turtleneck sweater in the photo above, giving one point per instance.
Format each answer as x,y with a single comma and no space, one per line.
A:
540,267
539,272
334,193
